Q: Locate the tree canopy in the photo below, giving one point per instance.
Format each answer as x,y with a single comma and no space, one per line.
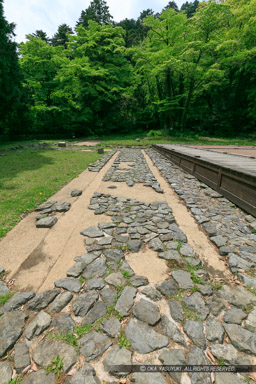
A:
187,70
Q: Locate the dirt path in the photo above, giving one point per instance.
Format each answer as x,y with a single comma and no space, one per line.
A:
38,257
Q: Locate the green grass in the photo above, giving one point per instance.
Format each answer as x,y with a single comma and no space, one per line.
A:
56,366
68,338
123,342
6,297
28,178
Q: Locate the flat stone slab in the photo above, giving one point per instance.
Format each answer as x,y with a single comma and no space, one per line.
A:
46,222
146,311
195,331
151,293
93,345
115,279
69,284
149,378
143,338
99,310
84,302
60,302
40,377
243,340
42,300
39,324
111,327
176,310
229,354
76,192
92,232
77,269
172,331
168,287
21,357
5,372
48,350
3,289
126,300
196,303
173,357
96,269
85,375
183,279
11,328
117,356
214,330
18,299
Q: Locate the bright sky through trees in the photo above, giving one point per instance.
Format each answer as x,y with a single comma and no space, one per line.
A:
31,15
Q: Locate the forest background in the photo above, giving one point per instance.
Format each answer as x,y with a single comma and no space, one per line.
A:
182,71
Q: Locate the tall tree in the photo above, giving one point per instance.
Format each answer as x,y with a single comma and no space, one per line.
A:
10,76
40,34
190,8
98,11
172,5
61,36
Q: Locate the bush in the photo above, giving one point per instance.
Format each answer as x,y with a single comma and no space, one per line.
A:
153,133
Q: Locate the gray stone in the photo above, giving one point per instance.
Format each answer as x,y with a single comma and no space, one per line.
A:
114,254
205,290
60,302
11,328
197,357
40,377
229,354
194,330
214,331
46,205
138,281
48,350
156,245
183,279
69,284
105,240
172,331
219,240
170,255
109,296
196,303
96,269
18,299
2,270
146,311
202,275
46,222
216,306
227,378
126,268
38,325
86,375
117,356
62,207
63,324
168,287
234,316
95,283
250,322
92,231
93,345
176,310
187,251
143,338
3,289
84,302
115,279
134,245
5,372
76,192
243,340
21,357
173,357
149,378
236,263
111,327
77,269
151,293
88,258
42,300
99,310
126,300
248,281
238,296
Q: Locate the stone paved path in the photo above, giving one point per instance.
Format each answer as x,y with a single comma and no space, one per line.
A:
102,314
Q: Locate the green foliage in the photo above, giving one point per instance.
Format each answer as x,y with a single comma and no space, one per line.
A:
189,314
251,289
97,11
221,362
153,133
196,279
68,338
56,366
126,274
6,297
122,341
16,380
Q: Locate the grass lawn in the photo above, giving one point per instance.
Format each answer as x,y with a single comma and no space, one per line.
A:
29,177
